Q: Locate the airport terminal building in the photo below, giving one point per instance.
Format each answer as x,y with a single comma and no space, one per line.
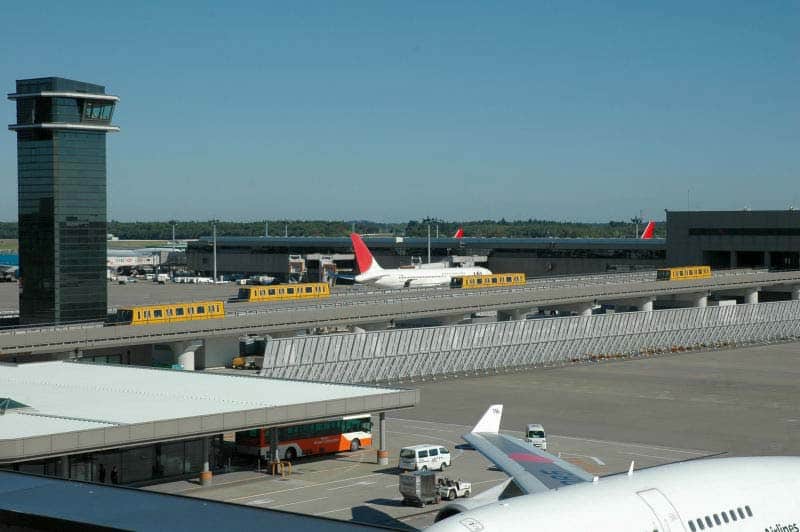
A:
277,256
734,239
721,239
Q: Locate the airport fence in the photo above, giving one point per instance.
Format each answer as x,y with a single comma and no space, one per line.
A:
420,353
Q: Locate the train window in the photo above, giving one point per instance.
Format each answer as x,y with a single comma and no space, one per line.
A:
309,289
700,524
741,513
725,517
201,309
692,527
179,311
508,279
709,523
290,290
157,313
138,315
733,515
261,292
747,509
494,280
716,519
478,281
272,291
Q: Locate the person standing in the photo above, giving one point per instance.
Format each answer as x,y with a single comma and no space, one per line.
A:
114,475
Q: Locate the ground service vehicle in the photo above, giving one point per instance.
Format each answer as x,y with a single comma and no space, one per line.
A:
683,273
280,292
169,313
452,489
348,433
488,281
534,433
424,457
420,488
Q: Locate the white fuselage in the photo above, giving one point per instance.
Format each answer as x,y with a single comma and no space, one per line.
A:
417,277
766,490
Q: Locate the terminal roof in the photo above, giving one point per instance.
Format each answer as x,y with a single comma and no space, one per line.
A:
74,407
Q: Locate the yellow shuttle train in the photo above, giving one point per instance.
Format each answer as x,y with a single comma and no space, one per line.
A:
488,281
683,273
280,292
169,313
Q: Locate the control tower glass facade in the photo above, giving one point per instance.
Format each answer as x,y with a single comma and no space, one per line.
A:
61,155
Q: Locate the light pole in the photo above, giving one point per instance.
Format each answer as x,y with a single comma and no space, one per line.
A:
429,242
214,229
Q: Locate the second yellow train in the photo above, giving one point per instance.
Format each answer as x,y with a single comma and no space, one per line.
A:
488,281
683,273
280,292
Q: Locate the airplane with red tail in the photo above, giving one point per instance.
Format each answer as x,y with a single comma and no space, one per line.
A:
370,272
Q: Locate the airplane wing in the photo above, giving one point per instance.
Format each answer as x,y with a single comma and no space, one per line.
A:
532,469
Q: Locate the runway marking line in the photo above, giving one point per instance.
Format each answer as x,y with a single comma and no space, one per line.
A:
302,487
646,455
297,502
362,483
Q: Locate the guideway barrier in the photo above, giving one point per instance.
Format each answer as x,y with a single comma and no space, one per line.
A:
478,349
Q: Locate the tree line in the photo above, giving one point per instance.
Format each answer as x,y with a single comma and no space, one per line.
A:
478,228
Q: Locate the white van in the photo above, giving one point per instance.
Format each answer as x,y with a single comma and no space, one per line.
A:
534,433
424,457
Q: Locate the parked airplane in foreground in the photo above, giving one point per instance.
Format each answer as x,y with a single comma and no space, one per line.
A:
370,271
647,234
760,494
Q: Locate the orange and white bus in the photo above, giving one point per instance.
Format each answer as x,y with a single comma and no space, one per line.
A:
347,433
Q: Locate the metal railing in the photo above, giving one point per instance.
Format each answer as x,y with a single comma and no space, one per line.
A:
407,354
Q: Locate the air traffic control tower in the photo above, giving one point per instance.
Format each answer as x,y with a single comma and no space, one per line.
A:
61,156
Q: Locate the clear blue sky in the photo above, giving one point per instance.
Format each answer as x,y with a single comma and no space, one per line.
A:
398,110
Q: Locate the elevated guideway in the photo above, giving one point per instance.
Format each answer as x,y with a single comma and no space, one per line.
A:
385,307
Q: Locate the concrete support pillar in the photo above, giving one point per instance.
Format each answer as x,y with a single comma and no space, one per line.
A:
185,353
205,474
795,293
645,305
64,467
383,451
273,445
751,297
700,301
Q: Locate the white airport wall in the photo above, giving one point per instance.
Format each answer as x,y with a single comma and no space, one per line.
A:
407,354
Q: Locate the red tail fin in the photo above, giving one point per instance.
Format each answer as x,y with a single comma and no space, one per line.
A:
459,234
647,234
363,255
